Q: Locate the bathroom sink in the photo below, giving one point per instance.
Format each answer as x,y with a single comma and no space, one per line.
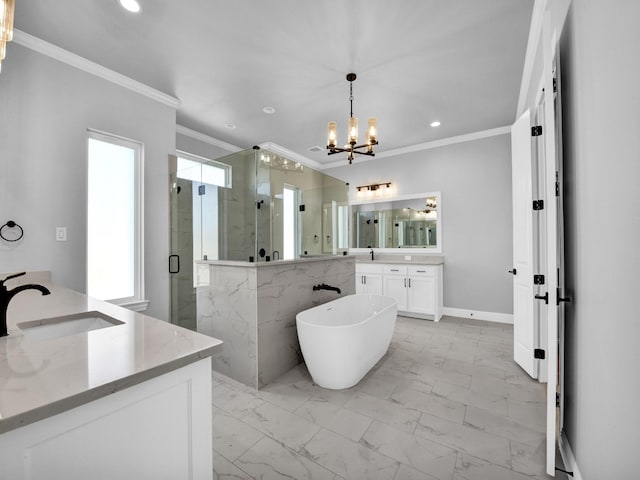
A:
57,327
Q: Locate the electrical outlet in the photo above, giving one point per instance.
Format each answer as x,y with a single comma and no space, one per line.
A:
61,234
407,258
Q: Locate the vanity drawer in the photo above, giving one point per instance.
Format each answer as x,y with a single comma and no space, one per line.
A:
390,269
368,268
422,270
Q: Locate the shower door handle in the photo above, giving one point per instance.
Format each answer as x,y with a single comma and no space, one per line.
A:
177,263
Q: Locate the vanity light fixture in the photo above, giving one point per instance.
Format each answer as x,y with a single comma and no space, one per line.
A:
352,137
373,187
7,8
435,124
130,5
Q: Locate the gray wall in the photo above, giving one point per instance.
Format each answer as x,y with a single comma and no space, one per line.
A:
45,110
475,180
601,75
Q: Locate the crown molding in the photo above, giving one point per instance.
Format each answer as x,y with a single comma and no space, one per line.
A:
207,139
468,137
280,150
50,50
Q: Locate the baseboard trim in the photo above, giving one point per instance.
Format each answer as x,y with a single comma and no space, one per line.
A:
567,457
478,315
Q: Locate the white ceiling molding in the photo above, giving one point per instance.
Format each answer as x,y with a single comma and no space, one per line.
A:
535,29
296,157
207,139
45,48
426,146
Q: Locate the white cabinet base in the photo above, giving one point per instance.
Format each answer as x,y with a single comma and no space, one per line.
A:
416,288
158,429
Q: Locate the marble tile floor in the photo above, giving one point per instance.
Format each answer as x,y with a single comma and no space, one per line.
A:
446,402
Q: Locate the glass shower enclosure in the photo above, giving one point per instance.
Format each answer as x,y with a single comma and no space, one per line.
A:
255,206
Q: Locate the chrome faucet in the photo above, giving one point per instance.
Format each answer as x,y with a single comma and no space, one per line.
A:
7,295
371,252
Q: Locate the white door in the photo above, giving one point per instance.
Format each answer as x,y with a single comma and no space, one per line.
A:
373,283
524,324
552,240
395,287
421,294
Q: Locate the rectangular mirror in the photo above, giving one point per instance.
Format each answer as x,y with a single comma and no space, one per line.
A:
408,222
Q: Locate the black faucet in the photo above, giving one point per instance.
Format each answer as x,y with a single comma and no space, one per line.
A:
324,286
7,295
371,252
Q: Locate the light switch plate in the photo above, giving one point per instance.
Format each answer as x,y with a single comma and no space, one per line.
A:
61,234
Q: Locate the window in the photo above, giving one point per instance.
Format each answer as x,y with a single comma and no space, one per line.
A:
289,221
114,220
202,170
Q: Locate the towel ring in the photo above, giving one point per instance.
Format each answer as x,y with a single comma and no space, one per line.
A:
11,224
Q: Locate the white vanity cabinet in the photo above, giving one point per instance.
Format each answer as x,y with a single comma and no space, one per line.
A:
416,288
369,279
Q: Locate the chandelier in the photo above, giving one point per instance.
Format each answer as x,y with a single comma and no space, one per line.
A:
352,137
6,26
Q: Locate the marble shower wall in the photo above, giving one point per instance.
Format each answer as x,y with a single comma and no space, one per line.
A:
253,307
227,309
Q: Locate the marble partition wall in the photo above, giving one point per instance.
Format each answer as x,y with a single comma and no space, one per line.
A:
252,308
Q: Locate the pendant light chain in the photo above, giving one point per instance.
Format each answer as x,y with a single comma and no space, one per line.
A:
351,97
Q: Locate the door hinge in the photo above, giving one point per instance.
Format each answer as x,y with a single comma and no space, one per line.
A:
538,279
538,204
301,208
538,353
536,130
202,189
557,400
557,186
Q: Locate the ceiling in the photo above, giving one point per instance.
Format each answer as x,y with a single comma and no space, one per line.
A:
456,61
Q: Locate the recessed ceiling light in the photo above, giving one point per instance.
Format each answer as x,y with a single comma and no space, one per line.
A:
230,126
435,124
269,110
130,5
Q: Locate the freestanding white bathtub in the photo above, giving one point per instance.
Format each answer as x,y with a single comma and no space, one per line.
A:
343,339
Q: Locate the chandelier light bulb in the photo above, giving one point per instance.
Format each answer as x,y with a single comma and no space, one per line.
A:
332,132
372,130
353,130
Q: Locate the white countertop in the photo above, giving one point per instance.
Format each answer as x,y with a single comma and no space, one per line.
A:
273,263
41,378
399,259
